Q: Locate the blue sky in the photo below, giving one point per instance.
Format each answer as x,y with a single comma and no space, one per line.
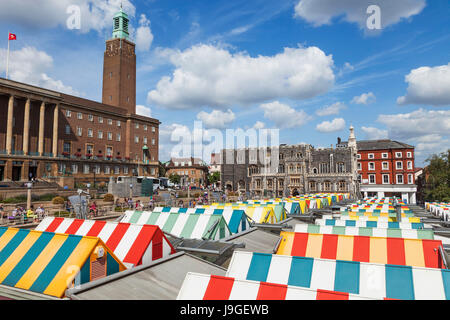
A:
311,68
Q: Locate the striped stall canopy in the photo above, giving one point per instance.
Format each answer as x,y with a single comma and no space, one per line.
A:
189,226
366,279
399,251
209,287
380,219
236,219
376,214
49,263
439,209
369,224
261,214
369,232
132,244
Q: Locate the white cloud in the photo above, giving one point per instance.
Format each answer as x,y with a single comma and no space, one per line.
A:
144,36
337,124
428,130
216,119
365,98
31,66
143,111
206,75
428,86
284,116
335,108
322,12
417,124
374,133
259,125
95,14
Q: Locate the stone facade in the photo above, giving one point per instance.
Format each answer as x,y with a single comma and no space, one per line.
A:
299,169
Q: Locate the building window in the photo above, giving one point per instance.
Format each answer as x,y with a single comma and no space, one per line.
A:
371,179
399,165
136,125
109,151
67,129
79,131
118,137
110,136
110,75
409,154
74,168
110,98
110,122
100,119
86,169
145,140
153,129
359,166
410,179
410,166
312,186
107,170
79,116
125,170
97,169
116,170
66,147
90,133
398,154
324,167
385,179
371,156
385,166
68,113
89,149
136,139
314,170
384,155
327,186
358,156
100,134
341,167
371,165
90,117
399,179
118,123
145,127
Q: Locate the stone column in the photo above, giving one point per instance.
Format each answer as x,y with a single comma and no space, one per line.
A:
41,129
129,138
26,127
9,126
55,131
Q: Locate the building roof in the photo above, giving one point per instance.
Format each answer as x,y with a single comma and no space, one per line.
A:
41,261
159,280
381,145
256,240
130,242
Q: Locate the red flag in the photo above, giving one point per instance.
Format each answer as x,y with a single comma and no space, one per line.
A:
12,36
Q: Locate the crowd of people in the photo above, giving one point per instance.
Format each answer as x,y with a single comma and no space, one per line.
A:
20,213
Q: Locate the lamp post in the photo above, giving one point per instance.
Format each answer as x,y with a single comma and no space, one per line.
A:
88,186
29,186
131,191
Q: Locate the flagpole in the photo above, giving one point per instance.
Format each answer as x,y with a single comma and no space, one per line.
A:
7,59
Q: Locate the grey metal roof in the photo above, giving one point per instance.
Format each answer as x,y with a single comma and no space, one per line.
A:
381,145
256,240
160,280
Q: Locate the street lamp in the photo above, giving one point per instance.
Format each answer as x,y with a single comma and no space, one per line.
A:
29,185
131,191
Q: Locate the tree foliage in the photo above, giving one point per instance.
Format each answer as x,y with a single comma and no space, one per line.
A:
214,177
175,178
437,187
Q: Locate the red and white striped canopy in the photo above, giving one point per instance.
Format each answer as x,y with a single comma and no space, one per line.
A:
133,244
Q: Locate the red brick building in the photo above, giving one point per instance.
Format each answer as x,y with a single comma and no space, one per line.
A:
47,134
386,168
192,171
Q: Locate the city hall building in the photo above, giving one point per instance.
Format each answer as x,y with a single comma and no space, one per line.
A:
46,134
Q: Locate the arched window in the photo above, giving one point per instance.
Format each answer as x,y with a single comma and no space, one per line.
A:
314,170
340,167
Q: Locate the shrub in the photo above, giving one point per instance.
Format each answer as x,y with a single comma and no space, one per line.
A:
58,200
108,197
47,197
62,214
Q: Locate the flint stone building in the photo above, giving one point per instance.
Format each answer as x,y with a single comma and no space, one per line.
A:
47,135
300,169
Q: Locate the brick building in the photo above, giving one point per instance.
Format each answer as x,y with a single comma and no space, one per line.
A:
47,134
386,169
192,171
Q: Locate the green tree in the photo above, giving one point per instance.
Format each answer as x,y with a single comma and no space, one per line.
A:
162,169
437,186
214,177
175,178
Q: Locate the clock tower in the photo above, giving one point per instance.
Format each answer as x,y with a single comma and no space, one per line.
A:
119,67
